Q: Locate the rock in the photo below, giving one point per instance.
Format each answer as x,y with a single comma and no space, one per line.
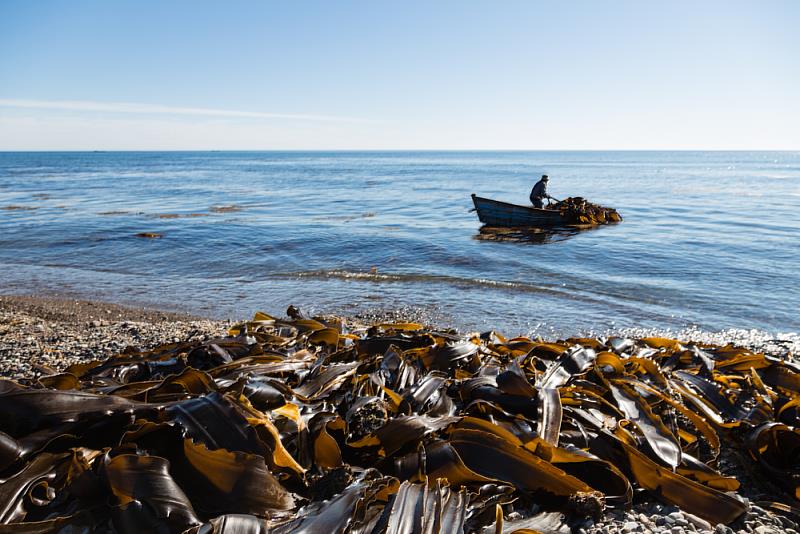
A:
630,526
698,522
677,530
589,504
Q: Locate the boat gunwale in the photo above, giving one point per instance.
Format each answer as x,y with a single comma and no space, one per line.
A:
531,208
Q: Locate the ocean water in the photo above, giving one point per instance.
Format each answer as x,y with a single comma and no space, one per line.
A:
709,240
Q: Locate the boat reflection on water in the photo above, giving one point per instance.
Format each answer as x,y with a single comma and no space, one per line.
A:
530,234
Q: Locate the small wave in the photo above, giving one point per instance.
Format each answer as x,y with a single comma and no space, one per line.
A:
15,207
561,292
177,215
374,276
345,218
232,208
115,212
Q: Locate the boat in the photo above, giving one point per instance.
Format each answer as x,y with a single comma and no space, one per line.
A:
497,213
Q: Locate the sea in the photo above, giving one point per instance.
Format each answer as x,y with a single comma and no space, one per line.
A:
710,240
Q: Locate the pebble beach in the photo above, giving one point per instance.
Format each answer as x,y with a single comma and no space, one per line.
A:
41,336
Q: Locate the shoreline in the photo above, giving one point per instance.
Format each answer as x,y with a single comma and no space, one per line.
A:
62,308
39,332
60,330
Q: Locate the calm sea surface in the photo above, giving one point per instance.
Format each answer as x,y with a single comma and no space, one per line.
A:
710,239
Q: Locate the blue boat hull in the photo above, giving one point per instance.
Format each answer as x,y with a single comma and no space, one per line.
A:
496,213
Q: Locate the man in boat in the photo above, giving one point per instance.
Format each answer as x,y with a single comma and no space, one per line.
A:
539,192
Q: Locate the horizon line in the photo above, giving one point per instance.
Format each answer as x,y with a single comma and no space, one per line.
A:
150,150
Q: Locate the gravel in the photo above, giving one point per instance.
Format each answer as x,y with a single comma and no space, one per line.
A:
786,344
38,334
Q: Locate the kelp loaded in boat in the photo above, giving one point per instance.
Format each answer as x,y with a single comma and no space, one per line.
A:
314,425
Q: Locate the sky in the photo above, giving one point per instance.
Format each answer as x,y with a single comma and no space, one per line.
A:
345,75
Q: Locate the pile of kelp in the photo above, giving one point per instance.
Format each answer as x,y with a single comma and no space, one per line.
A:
310,425
578,210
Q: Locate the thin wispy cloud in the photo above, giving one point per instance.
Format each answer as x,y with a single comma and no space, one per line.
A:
151,109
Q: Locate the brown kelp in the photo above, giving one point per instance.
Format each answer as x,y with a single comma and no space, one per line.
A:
317,425
578,210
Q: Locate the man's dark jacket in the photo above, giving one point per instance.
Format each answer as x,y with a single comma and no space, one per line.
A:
539,191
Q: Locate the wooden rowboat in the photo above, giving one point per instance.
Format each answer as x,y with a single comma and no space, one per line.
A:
496,213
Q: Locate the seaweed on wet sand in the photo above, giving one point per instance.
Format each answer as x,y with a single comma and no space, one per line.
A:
315,424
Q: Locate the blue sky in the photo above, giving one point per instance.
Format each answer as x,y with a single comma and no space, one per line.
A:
399,75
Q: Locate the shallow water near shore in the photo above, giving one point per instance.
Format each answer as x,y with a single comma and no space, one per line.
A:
710,239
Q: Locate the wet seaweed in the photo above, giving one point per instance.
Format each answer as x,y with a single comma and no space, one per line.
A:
577,210
313,424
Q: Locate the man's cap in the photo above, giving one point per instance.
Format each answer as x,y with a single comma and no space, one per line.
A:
544,177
